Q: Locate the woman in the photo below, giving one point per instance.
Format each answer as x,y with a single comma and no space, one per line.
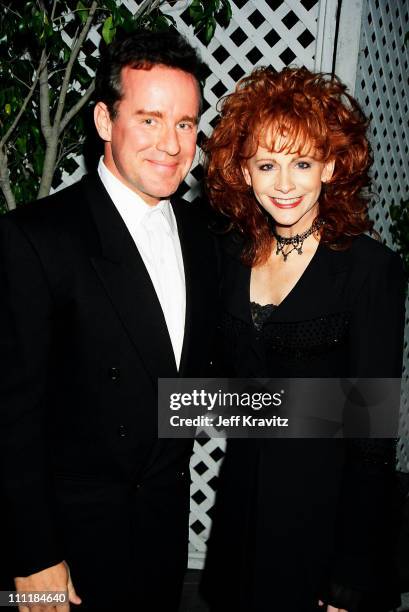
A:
302,524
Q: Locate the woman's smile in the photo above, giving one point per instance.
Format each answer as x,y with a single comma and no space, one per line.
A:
286,202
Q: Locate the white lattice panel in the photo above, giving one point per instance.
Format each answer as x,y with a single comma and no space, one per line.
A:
382,87
204,468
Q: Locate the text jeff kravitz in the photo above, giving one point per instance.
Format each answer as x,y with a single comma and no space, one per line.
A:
231,421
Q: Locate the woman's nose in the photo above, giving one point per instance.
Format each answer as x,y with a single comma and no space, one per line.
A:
283,182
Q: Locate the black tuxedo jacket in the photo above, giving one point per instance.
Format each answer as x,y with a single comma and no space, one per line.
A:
83,341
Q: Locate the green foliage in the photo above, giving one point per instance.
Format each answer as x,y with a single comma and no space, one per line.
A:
83,12
108,30
204,13
35,29
30,28
400,231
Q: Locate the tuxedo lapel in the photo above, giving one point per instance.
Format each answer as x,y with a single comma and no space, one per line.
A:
193,277
128,284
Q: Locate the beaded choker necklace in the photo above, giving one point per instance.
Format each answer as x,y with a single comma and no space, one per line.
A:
297,241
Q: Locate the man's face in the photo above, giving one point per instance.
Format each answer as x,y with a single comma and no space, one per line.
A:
151,143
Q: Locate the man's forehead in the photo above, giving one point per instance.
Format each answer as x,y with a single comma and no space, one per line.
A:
156,72
160,76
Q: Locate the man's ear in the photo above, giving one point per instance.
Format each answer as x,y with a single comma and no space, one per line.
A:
246,174
328,171
103,121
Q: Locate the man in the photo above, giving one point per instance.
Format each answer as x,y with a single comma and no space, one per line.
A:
107,286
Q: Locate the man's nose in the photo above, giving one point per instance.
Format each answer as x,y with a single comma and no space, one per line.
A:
168,141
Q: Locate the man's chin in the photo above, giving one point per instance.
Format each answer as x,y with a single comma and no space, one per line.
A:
164,193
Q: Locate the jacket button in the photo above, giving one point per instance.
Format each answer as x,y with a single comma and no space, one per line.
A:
113,374
122,431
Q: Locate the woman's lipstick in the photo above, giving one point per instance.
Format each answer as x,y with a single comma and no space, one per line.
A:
286,202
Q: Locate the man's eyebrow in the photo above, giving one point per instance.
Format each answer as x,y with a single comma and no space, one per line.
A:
159,115
194,120
151,113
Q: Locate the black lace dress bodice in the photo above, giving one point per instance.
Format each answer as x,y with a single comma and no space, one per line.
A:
261,314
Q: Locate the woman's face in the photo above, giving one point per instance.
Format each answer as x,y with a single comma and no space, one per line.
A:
287,185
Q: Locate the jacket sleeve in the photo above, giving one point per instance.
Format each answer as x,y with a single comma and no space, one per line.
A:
368,509
25,333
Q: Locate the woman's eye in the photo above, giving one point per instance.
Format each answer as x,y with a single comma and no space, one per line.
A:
266,167
149,121
303,165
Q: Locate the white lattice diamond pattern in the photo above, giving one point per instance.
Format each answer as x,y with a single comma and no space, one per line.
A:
204,467
382,87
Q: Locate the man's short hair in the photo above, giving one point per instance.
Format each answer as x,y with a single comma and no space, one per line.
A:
143,50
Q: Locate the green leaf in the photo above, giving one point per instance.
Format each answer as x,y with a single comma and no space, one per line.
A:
116,16
66,53
7,109
36,133
117,20
108,31
160,23
82,75
227,12
213,6
21,144
210,28
37,22
111,4
82,11
48,29
196,11
38,160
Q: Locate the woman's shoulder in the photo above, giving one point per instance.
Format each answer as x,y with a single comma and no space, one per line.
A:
366,261
368,252
364,253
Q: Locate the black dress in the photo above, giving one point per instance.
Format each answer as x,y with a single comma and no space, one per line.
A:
297,520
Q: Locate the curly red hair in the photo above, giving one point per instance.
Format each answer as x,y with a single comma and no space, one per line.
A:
314,114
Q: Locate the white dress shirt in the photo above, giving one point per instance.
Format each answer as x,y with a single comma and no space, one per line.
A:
155,233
